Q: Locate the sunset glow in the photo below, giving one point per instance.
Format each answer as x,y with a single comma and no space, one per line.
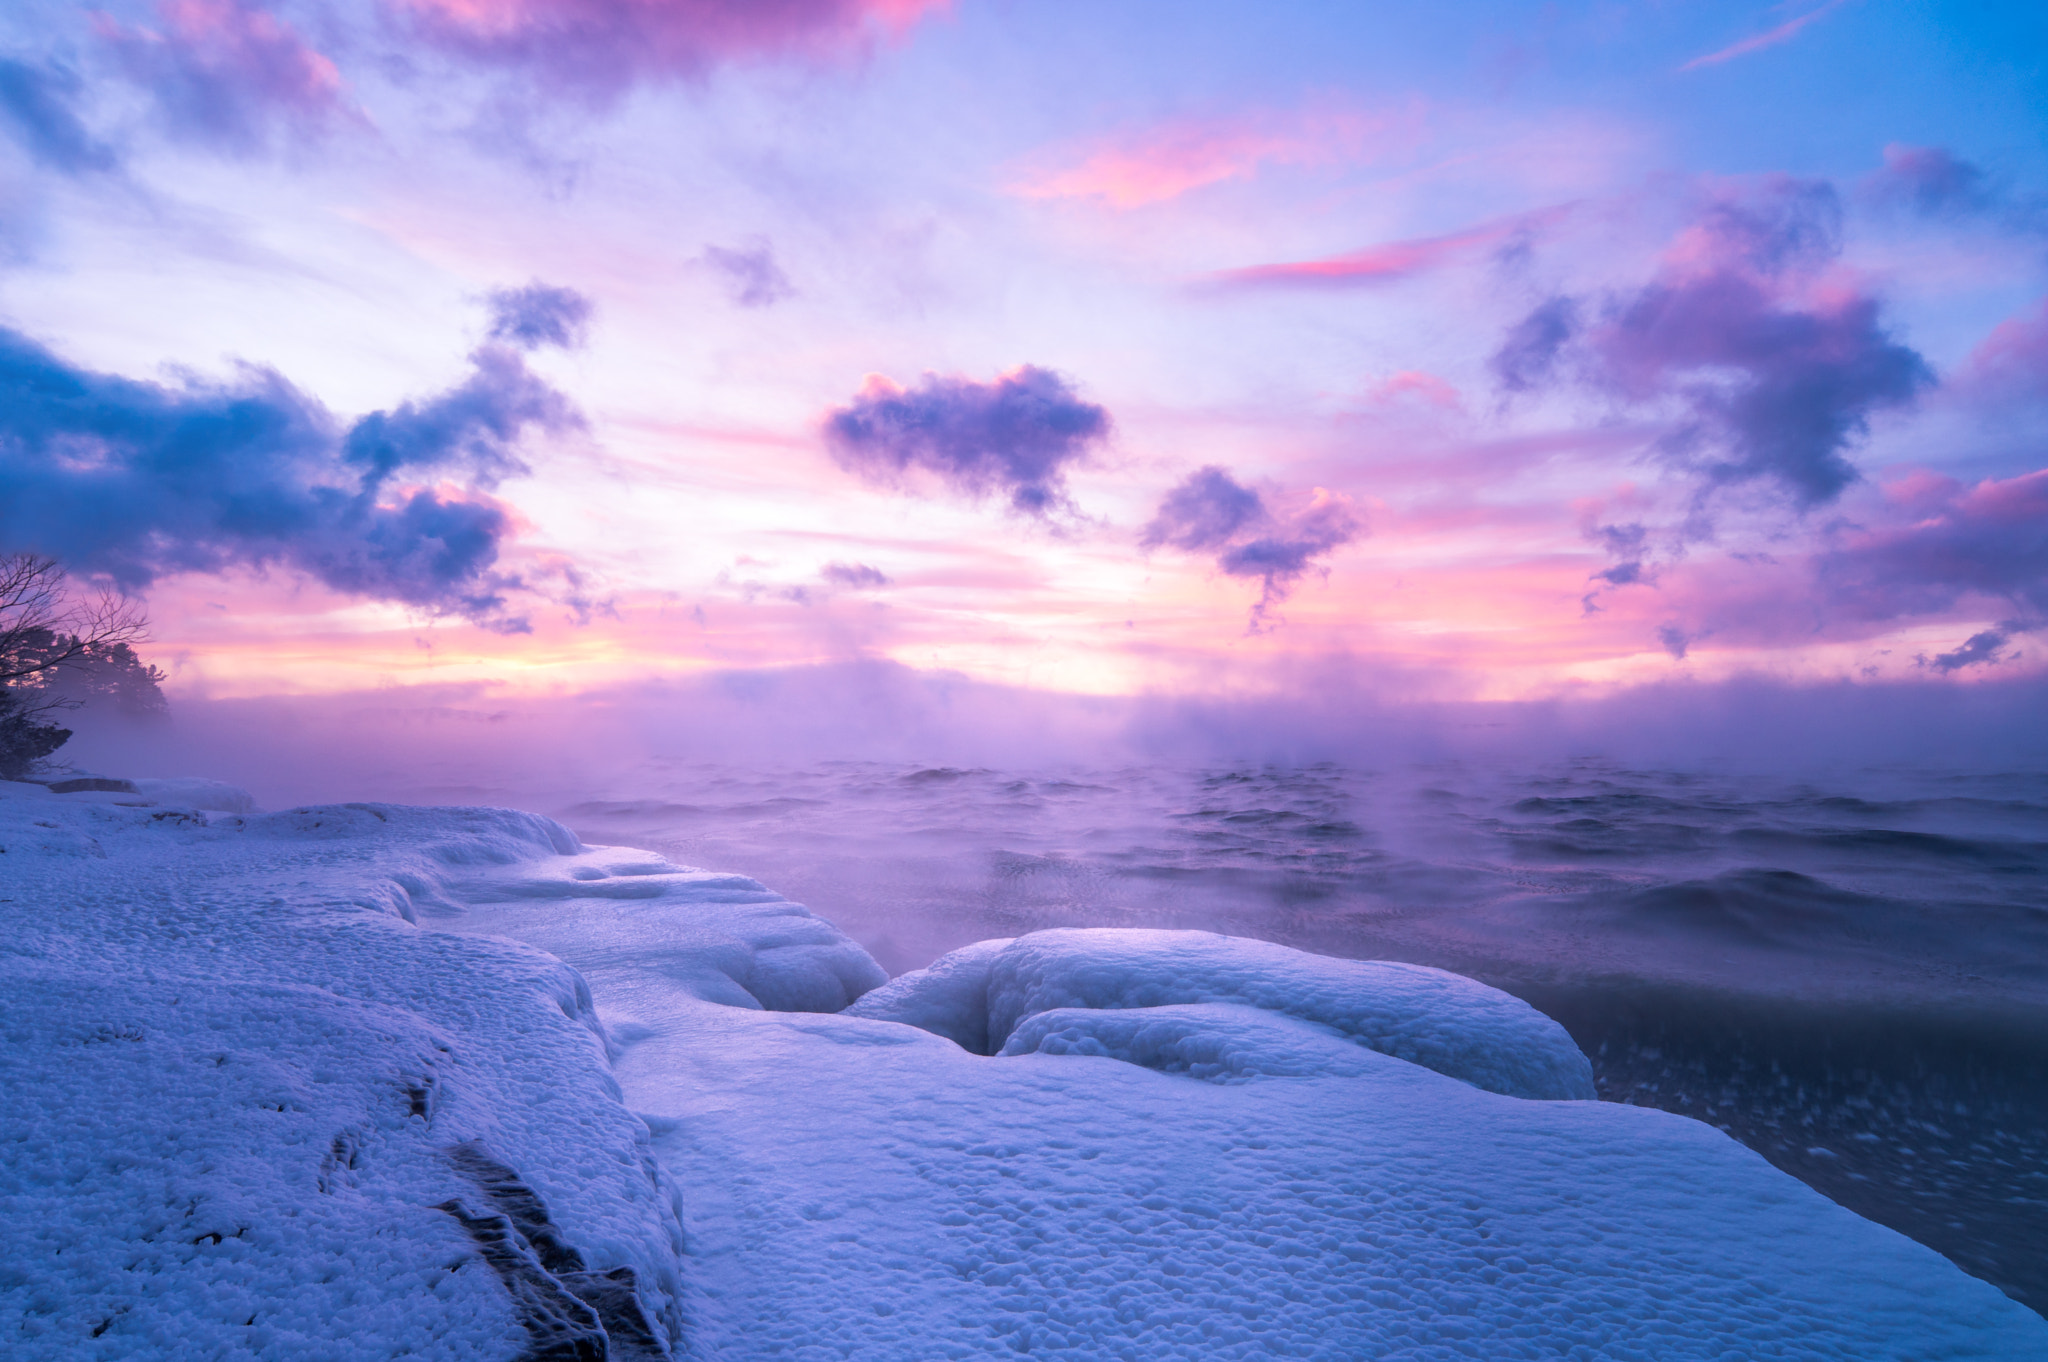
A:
1604,397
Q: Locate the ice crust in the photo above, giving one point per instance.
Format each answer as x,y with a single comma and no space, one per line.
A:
248,1060
1439,1020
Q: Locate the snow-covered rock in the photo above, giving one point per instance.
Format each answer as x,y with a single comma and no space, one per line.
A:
1439,1020
949,997
1216,1042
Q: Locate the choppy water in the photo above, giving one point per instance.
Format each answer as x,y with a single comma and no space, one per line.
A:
1852,979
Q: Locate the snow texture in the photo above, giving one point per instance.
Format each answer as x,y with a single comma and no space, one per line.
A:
1215,1042
1439,1020
236,1076
253,1110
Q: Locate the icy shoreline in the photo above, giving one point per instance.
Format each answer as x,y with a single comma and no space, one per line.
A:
281,1085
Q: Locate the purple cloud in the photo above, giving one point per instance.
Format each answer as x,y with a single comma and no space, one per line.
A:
1929,179
228,72
1774,376
599,47
855,576
1213,512
1527,357
752,277
138,480
1204,512
1016,435
539,314
1988,541
1986,649
35,103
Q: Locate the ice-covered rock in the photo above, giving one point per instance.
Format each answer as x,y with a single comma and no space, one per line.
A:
948,997
1215,1042
714,937
1430,1017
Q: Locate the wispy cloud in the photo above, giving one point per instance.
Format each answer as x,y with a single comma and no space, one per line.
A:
1170,159
600,47
1783,33
1389,260
230,73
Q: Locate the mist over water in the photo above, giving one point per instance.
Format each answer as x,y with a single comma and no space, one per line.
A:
1836,952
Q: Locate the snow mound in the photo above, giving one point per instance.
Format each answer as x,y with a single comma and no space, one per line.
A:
949,997
718,938
1442,1021
1215,1042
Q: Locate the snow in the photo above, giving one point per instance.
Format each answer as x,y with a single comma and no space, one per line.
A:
234,1074
249,1060
196,792
1216,1042
1440,1020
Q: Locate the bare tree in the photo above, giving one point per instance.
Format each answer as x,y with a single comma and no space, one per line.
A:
44,625
57,646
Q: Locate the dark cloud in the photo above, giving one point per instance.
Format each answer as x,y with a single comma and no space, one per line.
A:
539,314
1212,512
1930,180
1773,378
1204,512
35,103
229,73
139,480
752,277
858,576
1675,640
1016,435
596,48
1527,357
475,425
1629,546
1986,649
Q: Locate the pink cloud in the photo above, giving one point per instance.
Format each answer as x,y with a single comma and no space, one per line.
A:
223,70
602,45
1989,540
1414,385
1783,33
1167,161
1387,261
2013,360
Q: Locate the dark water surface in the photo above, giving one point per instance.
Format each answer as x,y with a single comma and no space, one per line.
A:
1850,978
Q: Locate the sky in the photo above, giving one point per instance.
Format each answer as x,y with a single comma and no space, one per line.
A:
1493,351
